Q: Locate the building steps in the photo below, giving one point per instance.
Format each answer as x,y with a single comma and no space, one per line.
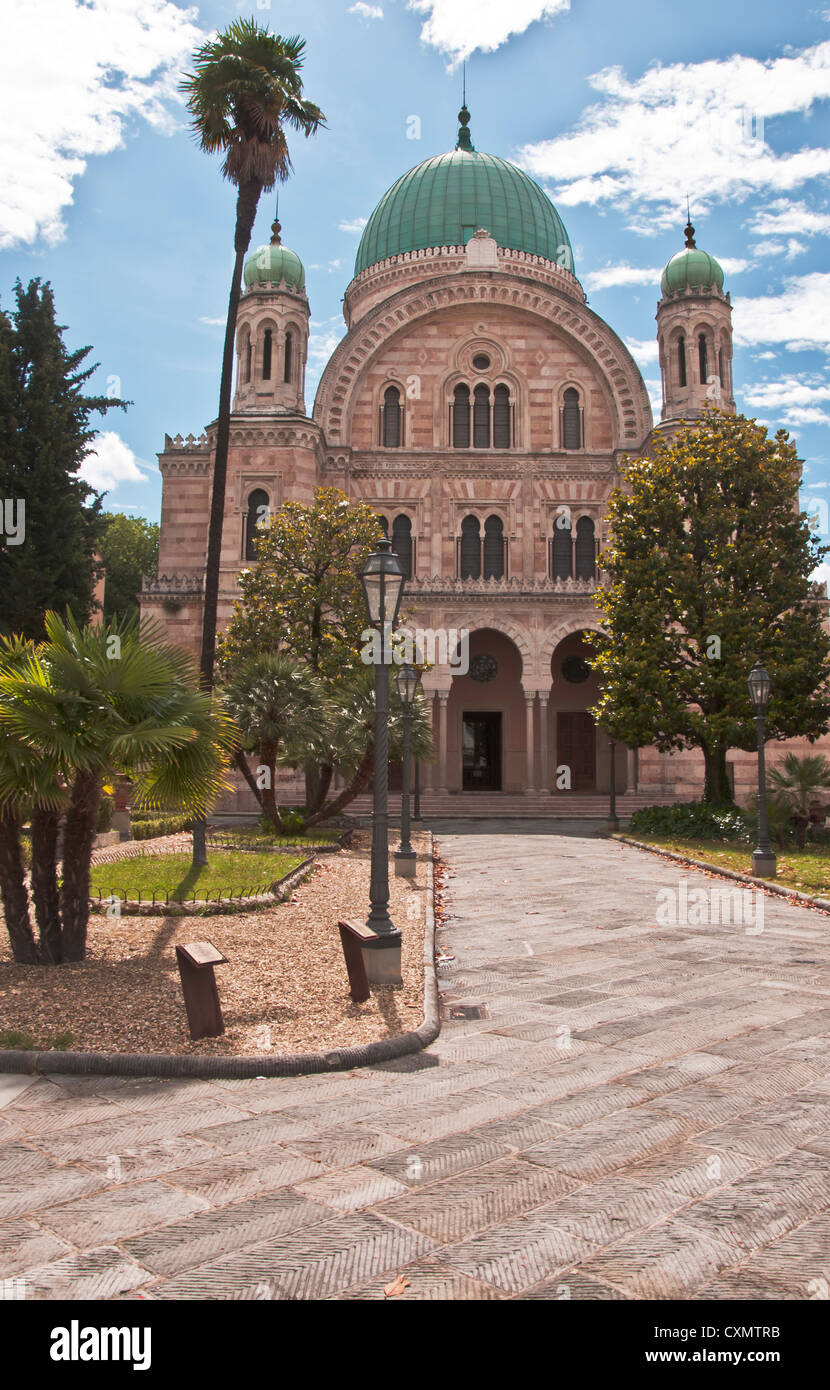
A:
530,805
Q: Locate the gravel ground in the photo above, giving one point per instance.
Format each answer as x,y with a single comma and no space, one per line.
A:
284,988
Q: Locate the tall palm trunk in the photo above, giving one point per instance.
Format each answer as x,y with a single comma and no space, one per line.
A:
246,205
268,759
45,884
13,892
78,839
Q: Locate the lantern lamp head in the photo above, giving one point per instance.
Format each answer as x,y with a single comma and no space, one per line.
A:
382,580
759,687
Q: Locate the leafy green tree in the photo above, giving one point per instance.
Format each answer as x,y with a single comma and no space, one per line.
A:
798,782
47,555
129,549
709,566
304,598
85,705
244,95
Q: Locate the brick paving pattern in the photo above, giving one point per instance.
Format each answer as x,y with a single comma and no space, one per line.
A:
638,1111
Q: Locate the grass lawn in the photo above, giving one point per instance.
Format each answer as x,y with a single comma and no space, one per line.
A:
248,836
807,870
229,872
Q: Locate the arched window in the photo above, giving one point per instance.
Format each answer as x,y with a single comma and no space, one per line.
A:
681,361
266,355
246,360
470,549
493,548
402,543
481,417
501,418
461,418
391,418
571,420
258,515
720,367
289,351
562,549
703,359
585,548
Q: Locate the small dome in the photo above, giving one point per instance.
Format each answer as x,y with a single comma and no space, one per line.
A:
444,200
274,265
691,269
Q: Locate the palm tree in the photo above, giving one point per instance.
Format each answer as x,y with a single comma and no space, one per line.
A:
797,782
277,704
91,702
244,93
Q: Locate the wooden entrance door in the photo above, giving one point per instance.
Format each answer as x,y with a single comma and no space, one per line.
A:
576,748
481,752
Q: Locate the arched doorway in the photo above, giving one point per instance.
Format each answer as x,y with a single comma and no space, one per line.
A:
580,752
486,718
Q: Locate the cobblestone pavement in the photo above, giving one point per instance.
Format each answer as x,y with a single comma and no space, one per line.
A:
617,1107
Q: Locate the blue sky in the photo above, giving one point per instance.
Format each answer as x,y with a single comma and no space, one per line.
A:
617,110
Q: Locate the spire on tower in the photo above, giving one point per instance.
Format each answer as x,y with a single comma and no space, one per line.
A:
689,229
465,140
276,226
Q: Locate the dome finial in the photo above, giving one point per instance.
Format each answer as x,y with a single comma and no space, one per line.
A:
465,140
276,226
689,229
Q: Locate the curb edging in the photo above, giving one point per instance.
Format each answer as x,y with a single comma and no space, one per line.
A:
769,885
165,1064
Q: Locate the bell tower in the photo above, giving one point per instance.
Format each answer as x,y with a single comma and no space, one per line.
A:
694,333
272,332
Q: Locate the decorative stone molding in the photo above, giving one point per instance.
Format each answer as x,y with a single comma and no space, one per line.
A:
198,465
189,442
516,585
276,436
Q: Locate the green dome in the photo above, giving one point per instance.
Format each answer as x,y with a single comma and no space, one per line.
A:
443,201
271,265
691,269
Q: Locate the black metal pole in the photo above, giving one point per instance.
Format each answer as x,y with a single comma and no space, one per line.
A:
379,919
416,796
763,859
405,846
613,822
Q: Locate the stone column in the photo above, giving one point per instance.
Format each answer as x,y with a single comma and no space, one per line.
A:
443,697
428,769
530,696
543,741
631,769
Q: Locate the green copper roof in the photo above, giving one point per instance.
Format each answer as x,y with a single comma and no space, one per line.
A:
443,201
270,265
691,268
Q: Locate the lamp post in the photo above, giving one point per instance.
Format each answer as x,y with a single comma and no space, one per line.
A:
612,823
406,680
382,580
763,858
416,792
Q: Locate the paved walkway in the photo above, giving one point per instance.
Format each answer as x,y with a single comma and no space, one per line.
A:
617,1108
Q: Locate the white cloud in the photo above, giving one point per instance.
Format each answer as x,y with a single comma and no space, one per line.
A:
693,128
610,275
90,69
323,338
460,27
645,351
783,217
356,225
790,390
214,323
109,462
366,11
798,317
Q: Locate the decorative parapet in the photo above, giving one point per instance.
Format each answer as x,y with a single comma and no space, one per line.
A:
492,587
189,443
178,586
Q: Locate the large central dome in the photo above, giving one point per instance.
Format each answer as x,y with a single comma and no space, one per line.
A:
443,201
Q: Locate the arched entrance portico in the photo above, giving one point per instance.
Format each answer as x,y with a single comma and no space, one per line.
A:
580,751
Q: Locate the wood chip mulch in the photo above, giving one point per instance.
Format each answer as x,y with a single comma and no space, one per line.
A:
283,990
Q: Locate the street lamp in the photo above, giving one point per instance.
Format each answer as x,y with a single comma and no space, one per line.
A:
763,859
406,680
382,580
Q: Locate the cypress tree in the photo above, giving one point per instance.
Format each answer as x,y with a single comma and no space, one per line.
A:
51,519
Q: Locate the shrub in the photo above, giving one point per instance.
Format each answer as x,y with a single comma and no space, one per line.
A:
695,820
161,825
106,810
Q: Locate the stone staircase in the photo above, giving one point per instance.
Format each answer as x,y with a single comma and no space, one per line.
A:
535,805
